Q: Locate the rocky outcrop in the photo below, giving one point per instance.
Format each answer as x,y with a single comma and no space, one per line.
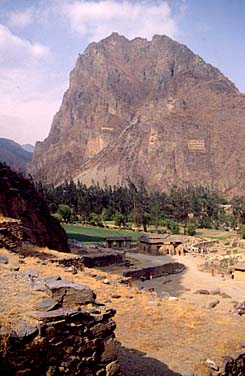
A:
149,111
19,199
14,155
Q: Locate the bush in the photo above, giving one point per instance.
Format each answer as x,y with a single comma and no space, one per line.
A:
95,220
119,219
205,223
173,227
242,231
65,212
190,229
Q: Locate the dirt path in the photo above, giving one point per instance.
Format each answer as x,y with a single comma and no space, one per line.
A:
184,284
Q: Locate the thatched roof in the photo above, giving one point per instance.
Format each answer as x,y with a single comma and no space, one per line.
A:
162,239
153,238
118,238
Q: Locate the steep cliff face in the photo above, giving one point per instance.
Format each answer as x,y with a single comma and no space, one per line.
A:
18,199
150,111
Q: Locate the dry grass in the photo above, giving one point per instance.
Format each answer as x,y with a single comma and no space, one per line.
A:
179,334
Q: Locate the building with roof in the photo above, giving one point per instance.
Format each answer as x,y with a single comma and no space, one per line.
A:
118,242
158,244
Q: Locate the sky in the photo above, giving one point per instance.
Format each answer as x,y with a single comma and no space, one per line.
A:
41,39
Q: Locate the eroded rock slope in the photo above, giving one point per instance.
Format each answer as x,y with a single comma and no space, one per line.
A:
146,110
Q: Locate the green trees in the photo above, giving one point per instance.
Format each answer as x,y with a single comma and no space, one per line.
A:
65,212
119,219
242,231
238,205
173,226
190,229
95,219
135,204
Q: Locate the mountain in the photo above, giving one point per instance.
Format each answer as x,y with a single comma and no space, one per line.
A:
149,111
13,154
28,147
19,199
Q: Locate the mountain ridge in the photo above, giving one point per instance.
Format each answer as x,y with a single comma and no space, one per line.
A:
14,155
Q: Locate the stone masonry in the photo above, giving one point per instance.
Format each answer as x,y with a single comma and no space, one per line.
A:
73,335
155,271
11,234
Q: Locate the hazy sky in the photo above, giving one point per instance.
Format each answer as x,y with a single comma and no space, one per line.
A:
40,41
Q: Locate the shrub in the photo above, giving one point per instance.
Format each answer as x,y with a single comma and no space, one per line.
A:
173,227
95,220
190,229
242,231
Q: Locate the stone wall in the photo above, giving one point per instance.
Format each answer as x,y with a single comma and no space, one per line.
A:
67,262
67,340
100,260
204,245
155,271
11,234
92,260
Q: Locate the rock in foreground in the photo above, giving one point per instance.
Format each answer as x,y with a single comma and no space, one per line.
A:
70,293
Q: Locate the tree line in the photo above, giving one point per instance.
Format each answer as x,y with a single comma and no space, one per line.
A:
190,206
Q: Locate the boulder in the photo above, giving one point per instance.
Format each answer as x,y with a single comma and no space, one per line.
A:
215,292
110,350
212,304
203,292
47,304
70,293
3,259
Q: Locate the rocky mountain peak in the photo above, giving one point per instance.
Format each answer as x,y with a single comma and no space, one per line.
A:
150,110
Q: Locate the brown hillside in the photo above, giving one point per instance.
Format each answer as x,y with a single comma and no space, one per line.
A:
19,199
151,111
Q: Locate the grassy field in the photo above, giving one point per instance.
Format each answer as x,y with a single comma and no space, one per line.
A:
96,234
222,235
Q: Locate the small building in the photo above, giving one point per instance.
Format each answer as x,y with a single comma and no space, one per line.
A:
239,271
157,244
118,242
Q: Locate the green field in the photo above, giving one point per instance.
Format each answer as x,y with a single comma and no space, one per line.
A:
96,234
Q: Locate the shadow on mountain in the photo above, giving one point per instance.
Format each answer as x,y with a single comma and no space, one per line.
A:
136,363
